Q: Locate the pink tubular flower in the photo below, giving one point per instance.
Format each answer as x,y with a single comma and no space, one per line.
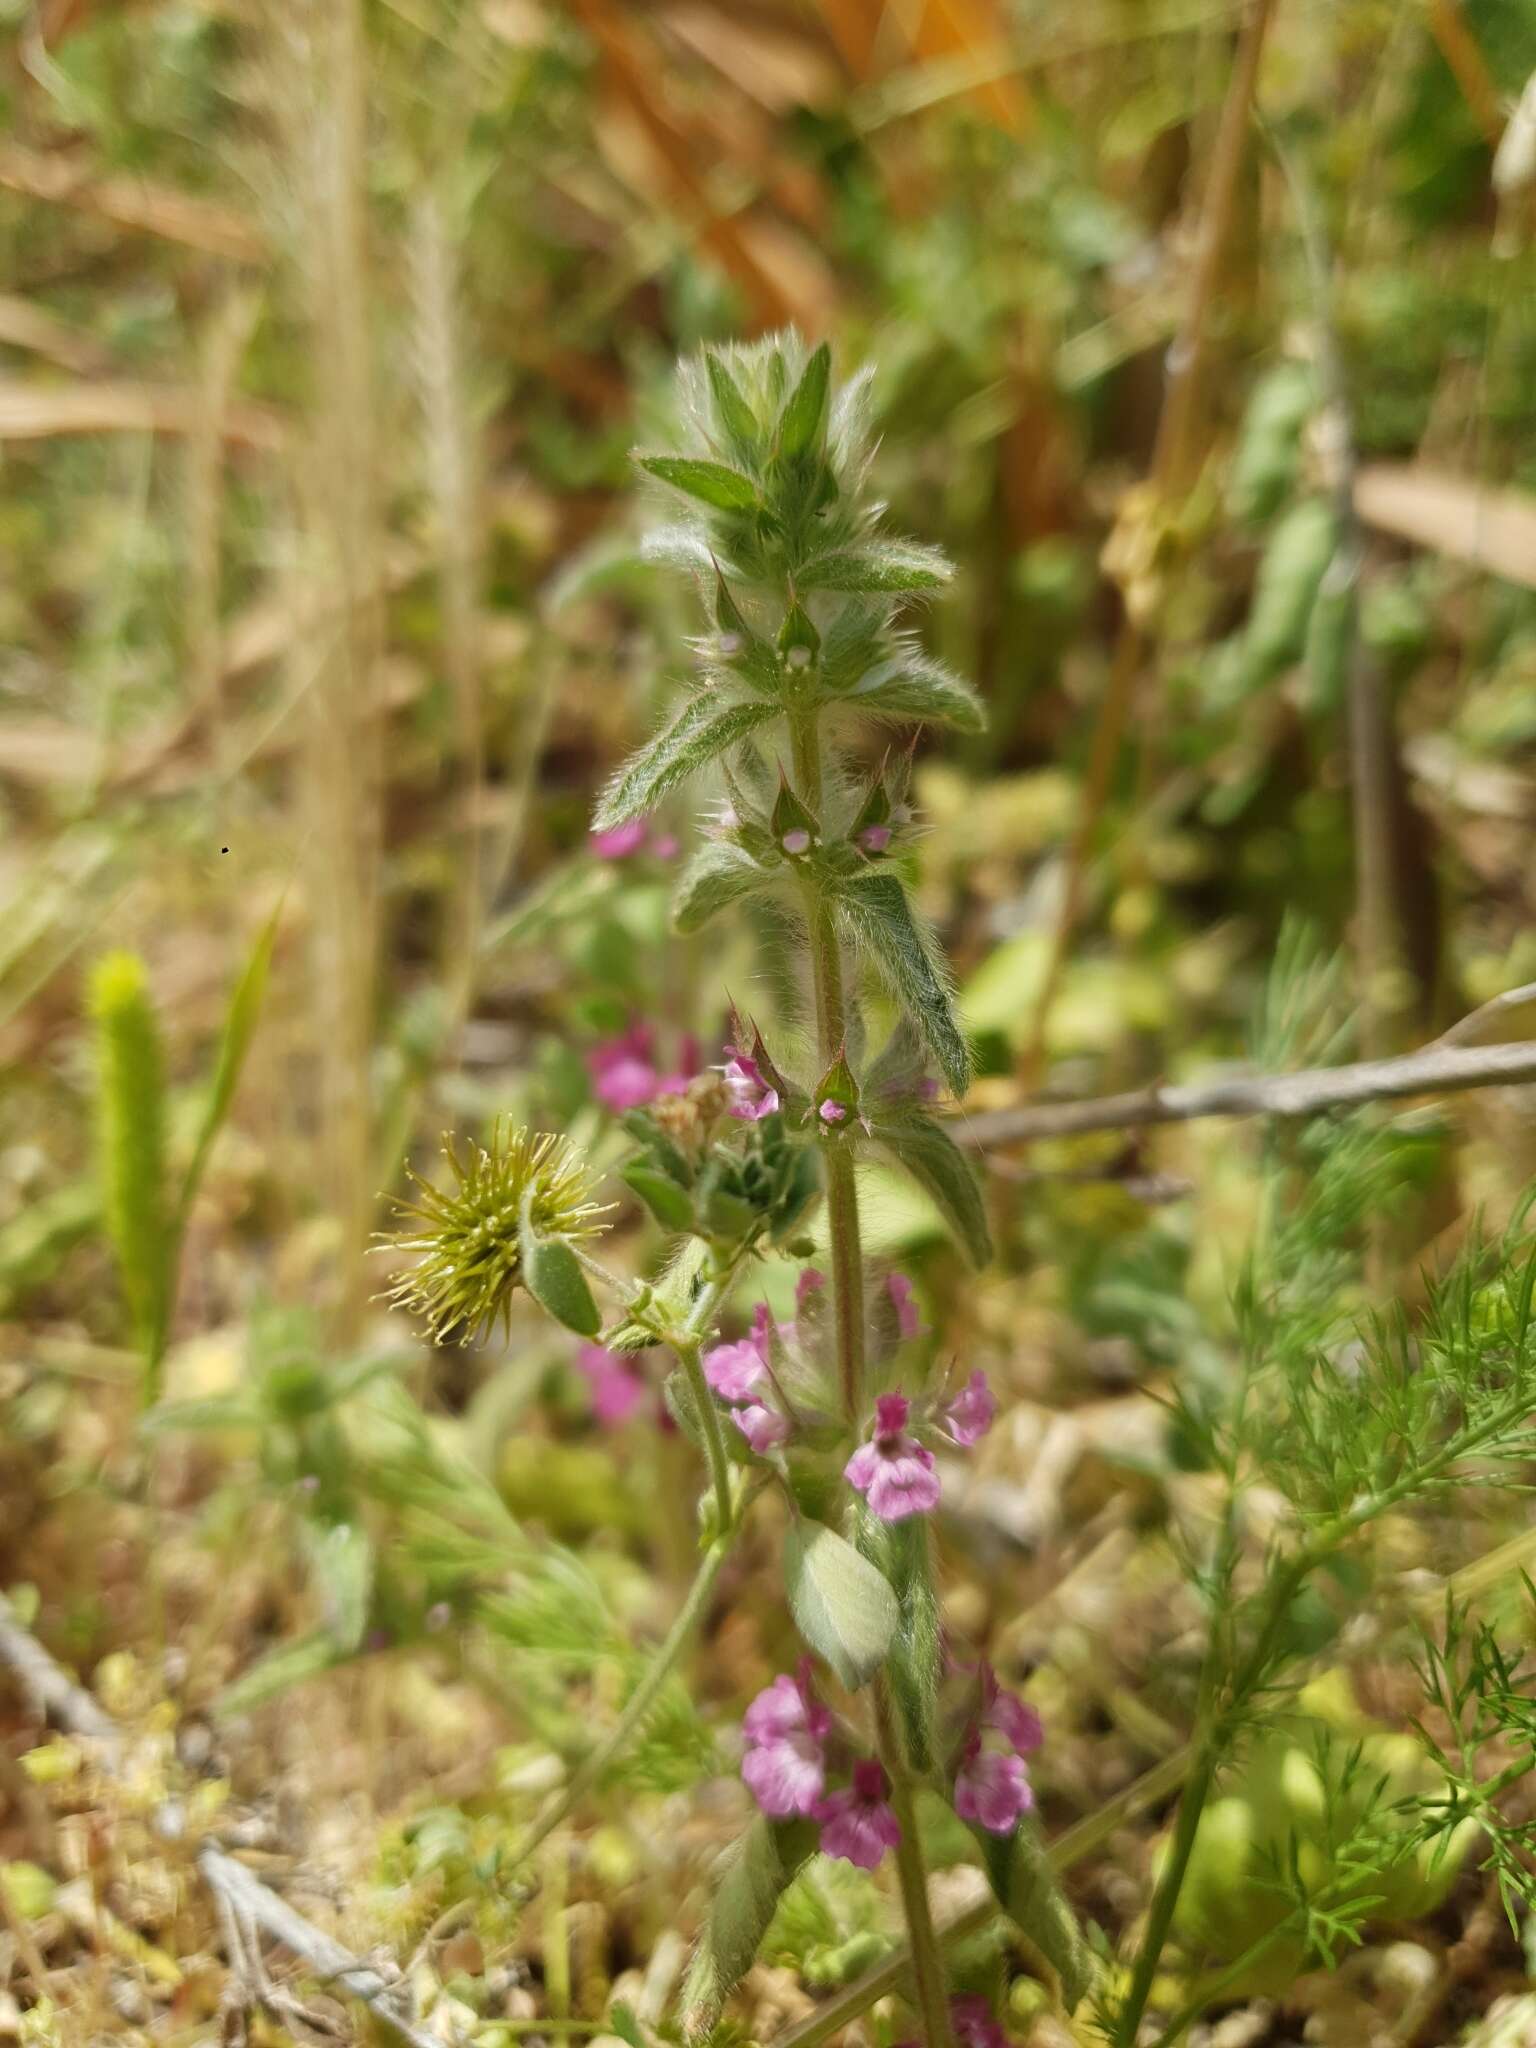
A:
971,1413
992,1788
617,1390
908,1319
797,840
893,1470
875,838
1014,1719
623,1075
785,1727
832,1112
971,2018
751,1097
735,1370
762,1427
857,1823
622,841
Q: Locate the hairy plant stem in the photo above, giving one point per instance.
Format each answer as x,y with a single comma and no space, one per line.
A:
928,1975
689,1352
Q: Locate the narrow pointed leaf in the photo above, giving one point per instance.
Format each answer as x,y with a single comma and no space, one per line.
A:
702,730
239,1029
927,1151
712,483
843,1607
131,1109
916,688
876,907
882,565
1020,1874
802,417
753,1876
731,409
718,875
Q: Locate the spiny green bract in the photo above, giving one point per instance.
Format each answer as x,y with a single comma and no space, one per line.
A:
514,1210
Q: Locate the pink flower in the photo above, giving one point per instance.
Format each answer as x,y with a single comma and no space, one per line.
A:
971,2018
810,1282
617,1390
664,846
1014,1719
893,1471
875,838
796,841
992,1788
762,1427
857,1823
973,2024
832,1112
908,1320
734,1370
623,1076
751,1097
785,1727
970,1414
622,841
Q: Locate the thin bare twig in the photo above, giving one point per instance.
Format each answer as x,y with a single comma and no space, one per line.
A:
1439,1069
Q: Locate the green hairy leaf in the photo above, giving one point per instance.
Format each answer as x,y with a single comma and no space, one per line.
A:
925,1149
731,409
718,875
667,1202
892,565
710,482
704,729
1020,1874
911,686
802,417
753,1876
843,1606
557,1283
341,1558
131,1112
883,922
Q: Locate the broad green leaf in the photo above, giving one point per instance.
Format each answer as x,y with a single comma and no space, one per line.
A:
753,1876
718,875
554,1278
711,482
239,1028
703,729
914,687
731,409
668,1203
879,565
927,1151
883,922
843,1607
801,420
1020,1874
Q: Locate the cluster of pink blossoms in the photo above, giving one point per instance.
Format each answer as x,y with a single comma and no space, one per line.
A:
894,1469
742,1376
615,1387
792,1745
